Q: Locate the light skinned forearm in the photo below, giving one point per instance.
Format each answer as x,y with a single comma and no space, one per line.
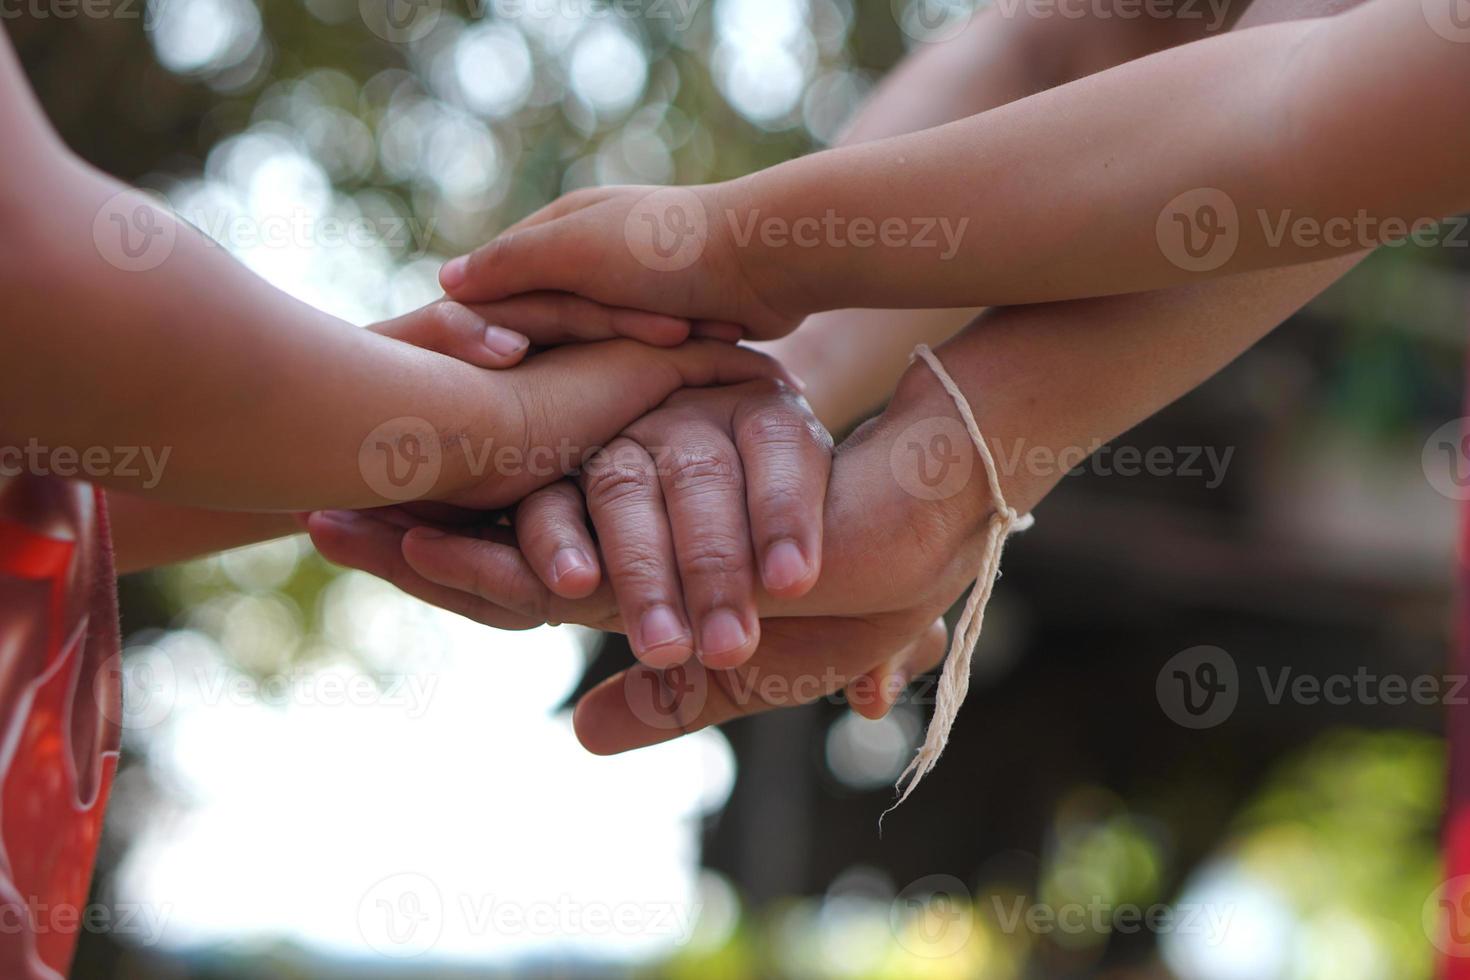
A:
1060,195
1070,376
849,359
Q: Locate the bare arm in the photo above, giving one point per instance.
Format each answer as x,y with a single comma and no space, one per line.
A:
1061,194
850,358
125,332
1250,143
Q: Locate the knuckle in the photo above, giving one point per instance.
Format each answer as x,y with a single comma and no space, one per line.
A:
714,557
637,570
778,498
615,479
501,248
783,421
451,318
698,468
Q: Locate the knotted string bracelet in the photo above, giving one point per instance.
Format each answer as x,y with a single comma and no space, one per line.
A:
954,681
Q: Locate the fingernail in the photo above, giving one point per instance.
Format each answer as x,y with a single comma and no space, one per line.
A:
428,533
784,566
506,343
569,560
344,517
452,275
660,627
723,632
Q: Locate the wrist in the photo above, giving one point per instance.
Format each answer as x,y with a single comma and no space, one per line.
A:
934,462
749,224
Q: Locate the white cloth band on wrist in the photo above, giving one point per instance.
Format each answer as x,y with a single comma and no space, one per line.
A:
954,682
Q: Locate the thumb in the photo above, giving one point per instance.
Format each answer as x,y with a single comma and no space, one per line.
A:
457,331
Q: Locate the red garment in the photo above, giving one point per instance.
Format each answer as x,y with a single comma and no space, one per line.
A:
60,704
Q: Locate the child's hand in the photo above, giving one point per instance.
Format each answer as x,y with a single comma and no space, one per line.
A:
498,335
566,402
675,250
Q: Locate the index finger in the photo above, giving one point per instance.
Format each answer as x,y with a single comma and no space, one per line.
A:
799,661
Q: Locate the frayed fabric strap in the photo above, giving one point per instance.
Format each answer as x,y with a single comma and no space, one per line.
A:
954,682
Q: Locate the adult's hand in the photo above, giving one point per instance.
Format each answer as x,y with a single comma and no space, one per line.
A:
894,559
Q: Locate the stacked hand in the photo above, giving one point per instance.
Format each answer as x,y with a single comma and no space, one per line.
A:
689,252
693,504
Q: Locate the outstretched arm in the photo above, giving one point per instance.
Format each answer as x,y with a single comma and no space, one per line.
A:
127,336
1258,148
